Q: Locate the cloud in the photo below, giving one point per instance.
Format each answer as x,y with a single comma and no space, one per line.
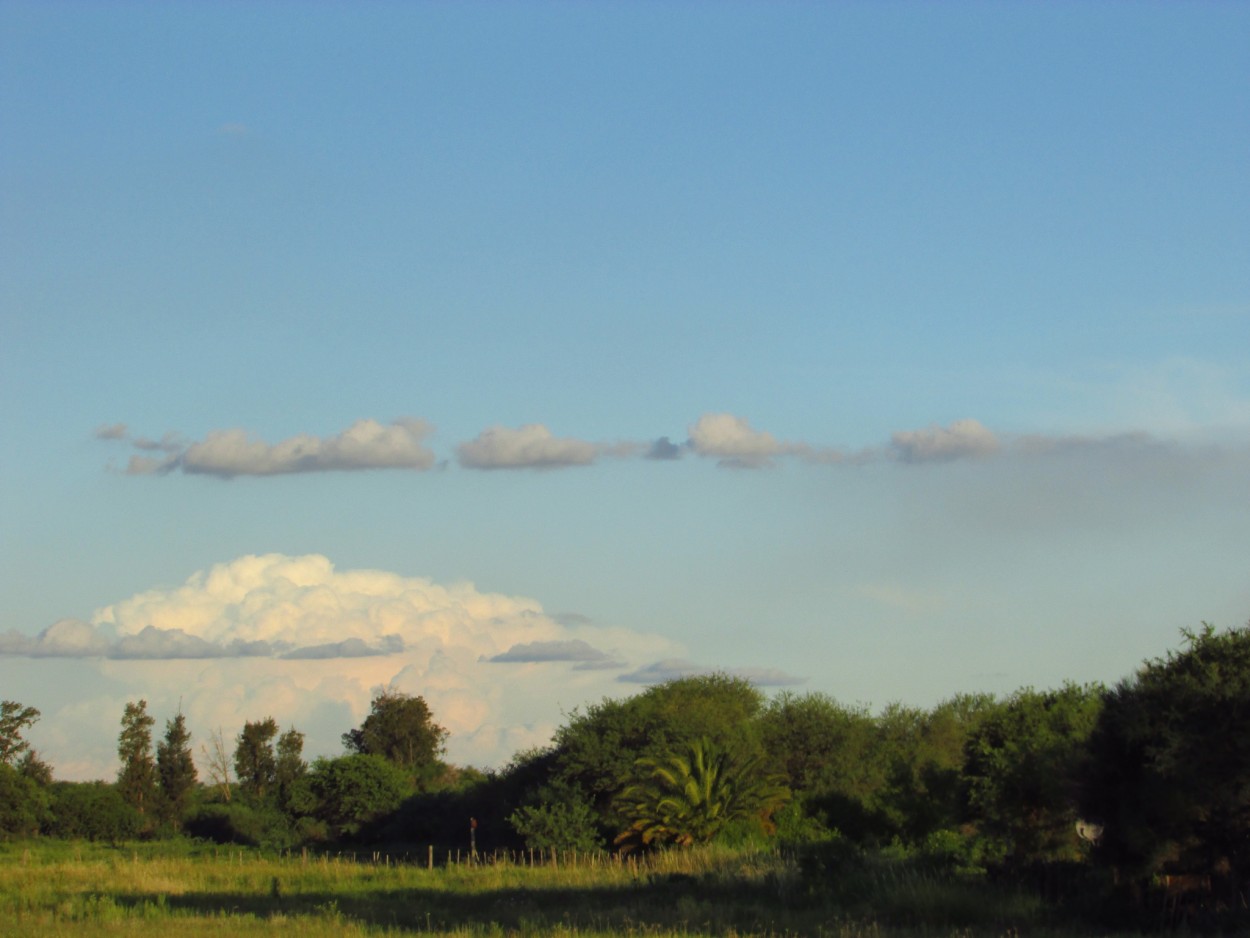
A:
366,444
735,444
348,648
732,440
111,431
963,439
670,669
295,638
568,650
68,638
530,447
664,449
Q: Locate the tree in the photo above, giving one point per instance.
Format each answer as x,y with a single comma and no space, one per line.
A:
91,811
217,761
401,729
689,798
175,770
137,778
1023,769
14,718
1169,771
559,817
350,791
598,751
255,764
289,766
23,804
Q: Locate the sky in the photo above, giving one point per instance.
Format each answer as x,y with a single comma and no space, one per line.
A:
520,355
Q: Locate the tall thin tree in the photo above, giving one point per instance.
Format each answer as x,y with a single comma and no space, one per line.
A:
175,770
137,779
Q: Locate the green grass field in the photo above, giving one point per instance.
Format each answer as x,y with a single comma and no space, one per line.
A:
51,889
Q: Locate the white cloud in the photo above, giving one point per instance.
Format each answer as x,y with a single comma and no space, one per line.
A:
68,638
963,439
732,440
529,447
296,639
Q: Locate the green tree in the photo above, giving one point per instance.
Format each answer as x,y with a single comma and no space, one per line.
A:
137,778
14,719
1023,770
175,770
351,791
401,728
91,811
23,804
1169,771
558,816
689,798
255,765
598,750
289,766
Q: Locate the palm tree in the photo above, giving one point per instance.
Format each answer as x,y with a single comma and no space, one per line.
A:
687,799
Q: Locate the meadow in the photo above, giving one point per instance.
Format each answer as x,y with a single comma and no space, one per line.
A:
50,888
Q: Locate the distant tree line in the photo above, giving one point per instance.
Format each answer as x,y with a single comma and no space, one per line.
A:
1134,787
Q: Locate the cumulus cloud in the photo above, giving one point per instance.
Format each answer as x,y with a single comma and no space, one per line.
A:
297,639
366,444
733,441
68,638
529,447
669,669
963,439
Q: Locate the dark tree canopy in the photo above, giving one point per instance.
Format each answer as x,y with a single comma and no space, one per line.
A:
401,729
1169,775
1023,769
175,770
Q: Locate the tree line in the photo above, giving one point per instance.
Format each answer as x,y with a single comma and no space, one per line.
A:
1144,783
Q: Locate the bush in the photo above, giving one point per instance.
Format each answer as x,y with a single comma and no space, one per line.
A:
92,811
242,824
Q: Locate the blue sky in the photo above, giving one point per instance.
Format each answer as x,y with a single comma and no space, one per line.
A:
941,311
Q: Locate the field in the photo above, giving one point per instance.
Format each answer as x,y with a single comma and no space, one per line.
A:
53,889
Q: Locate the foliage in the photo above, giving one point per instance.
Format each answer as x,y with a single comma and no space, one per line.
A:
401,728
561,817
350,791
255,764
874,779
175,770
1023,770
92,811
598,750
689,798
1170,762
289,765
14,718
137,779
253,825
23,803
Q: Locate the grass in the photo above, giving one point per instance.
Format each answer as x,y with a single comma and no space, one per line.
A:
58,889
